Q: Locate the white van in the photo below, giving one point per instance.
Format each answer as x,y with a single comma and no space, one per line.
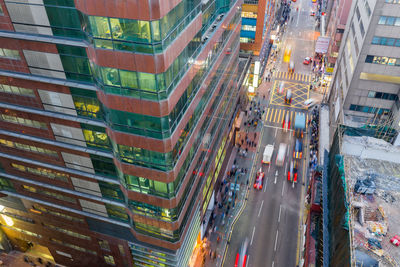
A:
268,151
280,158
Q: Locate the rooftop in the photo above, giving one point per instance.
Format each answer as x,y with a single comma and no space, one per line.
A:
372,171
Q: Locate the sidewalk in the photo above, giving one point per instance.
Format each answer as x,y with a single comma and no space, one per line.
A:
237,181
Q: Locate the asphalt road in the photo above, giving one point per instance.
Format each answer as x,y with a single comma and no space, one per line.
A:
270,220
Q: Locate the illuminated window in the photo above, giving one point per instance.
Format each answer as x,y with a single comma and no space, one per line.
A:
249,28
23,231
42,172
1,11
29,148
383,60
48,193
66,231
246,14
59,242
23,121
109,259
39,209
5,88
104,244
8,53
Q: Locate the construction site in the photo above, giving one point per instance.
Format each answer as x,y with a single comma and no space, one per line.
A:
362,225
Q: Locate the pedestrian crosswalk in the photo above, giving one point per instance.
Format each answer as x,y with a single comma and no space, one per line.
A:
292,76
276,115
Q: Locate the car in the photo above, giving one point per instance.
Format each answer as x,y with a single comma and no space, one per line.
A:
286,122
295,172
395,240
241,256
298,149
258,183
291,67
307,61
281,88
312,13
292,173
309,103
288,97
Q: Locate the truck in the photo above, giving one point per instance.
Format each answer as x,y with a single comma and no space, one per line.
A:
299,125
280,158
269,149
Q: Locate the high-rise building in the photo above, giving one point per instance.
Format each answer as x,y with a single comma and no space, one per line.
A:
365,86
338,12
115,118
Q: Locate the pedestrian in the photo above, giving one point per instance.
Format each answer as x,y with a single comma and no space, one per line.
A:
255,135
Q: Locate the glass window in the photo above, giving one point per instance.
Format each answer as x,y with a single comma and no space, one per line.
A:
109,259
110,76
371,94
100,27
358,13
367,8
147,81
397,22
16,90
117,212
104,244
369,59
1,11
390,20
362,30
128,79
397,43
382,20
376,40
8,53
383,40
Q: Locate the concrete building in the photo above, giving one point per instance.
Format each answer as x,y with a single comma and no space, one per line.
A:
109,111
361,211
365,85
338,11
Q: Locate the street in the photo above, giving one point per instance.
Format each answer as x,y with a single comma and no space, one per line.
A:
271,218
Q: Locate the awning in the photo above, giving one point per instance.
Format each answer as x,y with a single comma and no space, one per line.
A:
239,120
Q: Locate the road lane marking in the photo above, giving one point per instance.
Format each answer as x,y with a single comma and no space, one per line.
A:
279,116
276,112
272,113
279,216
268,109
273,263
276,131
252,236
276,240
259,212
283,188
247,261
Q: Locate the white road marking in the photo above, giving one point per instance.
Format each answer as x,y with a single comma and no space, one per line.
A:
276,240
292,185
285,168
247,261
283,187
273,263
279,216
276,131
269,167
266,183
259,212
252,236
